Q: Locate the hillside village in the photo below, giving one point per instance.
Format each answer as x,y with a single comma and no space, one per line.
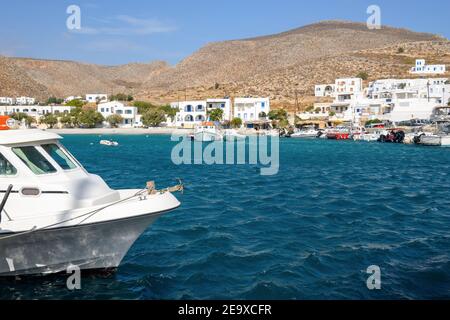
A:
392,100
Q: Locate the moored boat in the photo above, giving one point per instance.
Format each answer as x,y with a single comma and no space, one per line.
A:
54,214
339,133
207,132
439,140
109,143
306,134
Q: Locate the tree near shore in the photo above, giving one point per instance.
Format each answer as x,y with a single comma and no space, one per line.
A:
153,118
20,116
114,120
215,115
236,122
66,120
89,118
50,120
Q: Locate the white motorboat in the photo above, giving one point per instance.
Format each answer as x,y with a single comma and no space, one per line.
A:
440,140
414,137
54,214
207,132
232,134
109,143
306,134
372,136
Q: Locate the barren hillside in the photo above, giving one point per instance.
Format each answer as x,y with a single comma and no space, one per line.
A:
278,66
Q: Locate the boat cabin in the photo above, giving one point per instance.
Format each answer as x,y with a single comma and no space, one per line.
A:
45,176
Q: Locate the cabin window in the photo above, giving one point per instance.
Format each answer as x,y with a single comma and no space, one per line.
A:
6,168
34,160
59,156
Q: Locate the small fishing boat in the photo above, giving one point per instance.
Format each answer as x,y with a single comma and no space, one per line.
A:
109,143
207,132
306,134
54,214
393,136
372,135
437,140
339,133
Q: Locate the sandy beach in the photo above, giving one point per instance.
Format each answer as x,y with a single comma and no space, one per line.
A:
122,131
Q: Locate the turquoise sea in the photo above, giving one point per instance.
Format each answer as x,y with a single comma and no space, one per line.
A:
309,232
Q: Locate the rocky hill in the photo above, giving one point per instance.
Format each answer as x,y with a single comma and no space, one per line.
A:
43,78
279,66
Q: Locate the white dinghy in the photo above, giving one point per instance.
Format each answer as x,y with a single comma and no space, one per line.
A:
109,143
54,214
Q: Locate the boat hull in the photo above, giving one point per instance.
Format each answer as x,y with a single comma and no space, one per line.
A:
338,136
304,136
100,245
440,141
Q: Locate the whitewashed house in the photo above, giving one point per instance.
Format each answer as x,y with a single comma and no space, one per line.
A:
189,113
348,89
422,68
36,111
223,104
128,113
25,101
6,101
96,97
324,90
251,109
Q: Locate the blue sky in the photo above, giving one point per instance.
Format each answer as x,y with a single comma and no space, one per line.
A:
116,32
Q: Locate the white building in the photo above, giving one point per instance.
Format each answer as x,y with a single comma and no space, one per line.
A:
388,99
35,111
422,68
25,101
189,113
71,98
128,113
6,101
324,90
96,97
348,89
435,89
251,109
223,104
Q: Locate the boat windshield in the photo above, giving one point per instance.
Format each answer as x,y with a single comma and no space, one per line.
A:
60,157
6,168
34,160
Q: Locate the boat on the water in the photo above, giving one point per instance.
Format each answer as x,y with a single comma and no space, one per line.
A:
207,132
372,135
339,133
437,140
393,136
54,214
306,134
109,143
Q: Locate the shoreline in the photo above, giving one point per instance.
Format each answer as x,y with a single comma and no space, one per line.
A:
121,131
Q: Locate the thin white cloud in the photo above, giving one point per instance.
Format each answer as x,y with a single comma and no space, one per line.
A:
124,25
112,45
